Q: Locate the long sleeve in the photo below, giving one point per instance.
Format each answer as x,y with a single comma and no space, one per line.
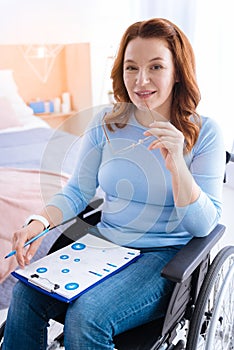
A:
139,208
82,185
207,165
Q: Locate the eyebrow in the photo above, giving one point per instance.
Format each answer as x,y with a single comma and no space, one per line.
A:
153,59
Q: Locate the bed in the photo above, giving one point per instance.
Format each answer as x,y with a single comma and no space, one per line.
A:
35,162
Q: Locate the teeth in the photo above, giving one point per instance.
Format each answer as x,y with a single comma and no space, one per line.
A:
144,93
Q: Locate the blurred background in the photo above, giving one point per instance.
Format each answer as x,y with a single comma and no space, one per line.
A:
208,24
62,51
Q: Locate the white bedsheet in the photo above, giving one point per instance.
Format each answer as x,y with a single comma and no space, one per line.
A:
30,123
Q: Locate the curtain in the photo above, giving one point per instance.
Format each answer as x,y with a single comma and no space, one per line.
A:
214,49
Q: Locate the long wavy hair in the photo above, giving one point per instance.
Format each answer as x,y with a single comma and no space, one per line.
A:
186,94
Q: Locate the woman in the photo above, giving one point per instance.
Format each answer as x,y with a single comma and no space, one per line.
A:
160,166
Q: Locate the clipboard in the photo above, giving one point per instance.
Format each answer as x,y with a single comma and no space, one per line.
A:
74,269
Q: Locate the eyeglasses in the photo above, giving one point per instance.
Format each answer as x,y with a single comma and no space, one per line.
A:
134,144
124,149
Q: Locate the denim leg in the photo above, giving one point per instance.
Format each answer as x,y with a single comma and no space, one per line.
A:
27,319
134,296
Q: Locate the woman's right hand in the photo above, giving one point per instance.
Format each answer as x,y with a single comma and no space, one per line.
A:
21,236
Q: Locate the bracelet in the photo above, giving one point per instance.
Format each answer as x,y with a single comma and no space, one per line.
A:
40,218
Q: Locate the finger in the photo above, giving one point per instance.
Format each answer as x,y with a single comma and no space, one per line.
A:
162,125
20,257
155,144
157,132
19,238
32,250
166,142
166,127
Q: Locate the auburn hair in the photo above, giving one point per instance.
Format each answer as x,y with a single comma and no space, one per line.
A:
186,94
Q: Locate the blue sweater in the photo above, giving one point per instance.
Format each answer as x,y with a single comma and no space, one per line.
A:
139,209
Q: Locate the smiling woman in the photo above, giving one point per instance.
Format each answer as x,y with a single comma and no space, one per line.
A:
179,61
153,191
149,78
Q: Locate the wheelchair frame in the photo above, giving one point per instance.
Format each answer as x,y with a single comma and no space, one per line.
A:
200,313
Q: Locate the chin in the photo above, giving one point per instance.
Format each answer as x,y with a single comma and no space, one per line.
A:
143,105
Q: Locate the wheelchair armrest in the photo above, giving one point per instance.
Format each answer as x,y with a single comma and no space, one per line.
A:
92,207
183,264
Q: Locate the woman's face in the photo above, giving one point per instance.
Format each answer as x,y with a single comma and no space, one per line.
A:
149,74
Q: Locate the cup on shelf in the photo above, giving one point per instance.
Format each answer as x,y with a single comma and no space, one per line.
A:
66,102
65,108
57,105
47,107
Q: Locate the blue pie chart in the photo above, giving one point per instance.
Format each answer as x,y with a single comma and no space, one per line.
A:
78,246
71,286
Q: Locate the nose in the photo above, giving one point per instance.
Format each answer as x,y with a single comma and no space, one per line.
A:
143,77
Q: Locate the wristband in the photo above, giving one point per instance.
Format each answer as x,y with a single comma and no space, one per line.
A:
40,218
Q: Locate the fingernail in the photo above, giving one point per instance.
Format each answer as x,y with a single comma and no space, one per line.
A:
153,123
29,257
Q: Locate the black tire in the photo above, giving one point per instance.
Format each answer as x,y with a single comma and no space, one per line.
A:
2,327
208,297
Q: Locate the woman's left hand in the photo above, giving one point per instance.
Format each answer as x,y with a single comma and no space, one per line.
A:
169,140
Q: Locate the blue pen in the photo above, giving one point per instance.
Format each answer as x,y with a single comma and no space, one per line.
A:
28,242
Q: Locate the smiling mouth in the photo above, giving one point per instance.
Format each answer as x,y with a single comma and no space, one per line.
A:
145,94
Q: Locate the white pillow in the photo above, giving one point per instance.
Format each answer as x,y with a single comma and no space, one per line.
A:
8,117
7,83
9,89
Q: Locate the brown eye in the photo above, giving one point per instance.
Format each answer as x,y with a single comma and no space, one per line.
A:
130,68
156,67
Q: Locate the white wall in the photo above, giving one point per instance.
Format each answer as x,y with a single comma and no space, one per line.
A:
49,21
63,21
214,48
100,22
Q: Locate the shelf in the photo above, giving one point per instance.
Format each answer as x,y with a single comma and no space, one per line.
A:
56,120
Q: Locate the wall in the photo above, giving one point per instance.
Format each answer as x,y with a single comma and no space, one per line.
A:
71,72
99,23
64,21
78,74
30,87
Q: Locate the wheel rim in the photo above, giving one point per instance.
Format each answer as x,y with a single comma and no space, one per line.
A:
220,335
217,328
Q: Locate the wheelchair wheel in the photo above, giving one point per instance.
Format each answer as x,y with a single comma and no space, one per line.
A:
212,323
2,326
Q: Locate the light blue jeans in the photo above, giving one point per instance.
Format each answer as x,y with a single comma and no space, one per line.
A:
133,296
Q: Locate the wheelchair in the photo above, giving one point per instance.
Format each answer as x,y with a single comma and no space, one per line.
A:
200,313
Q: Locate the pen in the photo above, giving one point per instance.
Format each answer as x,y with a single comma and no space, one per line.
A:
28,242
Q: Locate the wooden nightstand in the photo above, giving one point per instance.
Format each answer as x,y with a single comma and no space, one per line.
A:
57,120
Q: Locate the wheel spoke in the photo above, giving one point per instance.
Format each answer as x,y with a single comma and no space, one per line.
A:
212,324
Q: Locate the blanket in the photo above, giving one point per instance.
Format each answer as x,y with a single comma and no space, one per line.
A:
34,164
40,148
22,192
